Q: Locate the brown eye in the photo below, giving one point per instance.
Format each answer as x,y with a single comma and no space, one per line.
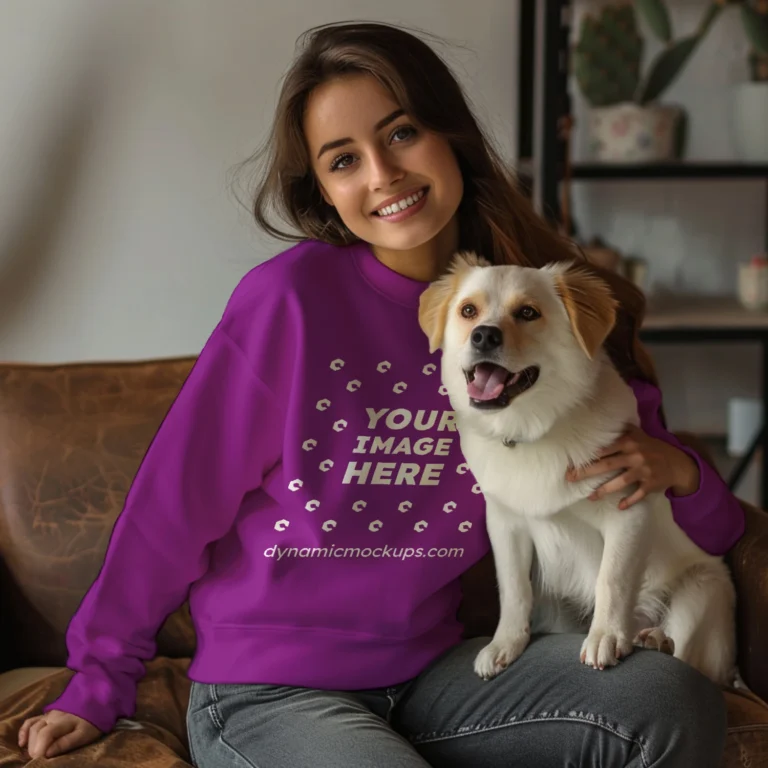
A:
468,310
527,313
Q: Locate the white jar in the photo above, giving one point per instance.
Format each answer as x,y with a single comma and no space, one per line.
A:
749,120
753,285
745,417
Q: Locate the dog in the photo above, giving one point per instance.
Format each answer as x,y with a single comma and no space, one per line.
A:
535,393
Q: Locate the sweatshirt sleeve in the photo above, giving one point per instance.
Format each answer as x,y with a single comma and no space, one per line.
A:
711,516
216,443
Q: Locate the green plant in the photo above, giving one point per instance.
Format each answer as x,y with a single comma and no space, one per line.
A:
608,54
754,16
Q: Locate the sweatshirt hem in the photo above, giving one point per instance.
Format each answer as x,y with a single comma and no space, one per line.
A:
314,658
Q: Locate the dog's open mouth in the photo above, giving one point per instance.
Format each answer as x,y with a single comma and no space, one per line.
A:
491,386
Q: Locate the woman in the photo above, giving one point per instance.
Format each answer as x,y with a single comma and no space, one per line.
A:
307,491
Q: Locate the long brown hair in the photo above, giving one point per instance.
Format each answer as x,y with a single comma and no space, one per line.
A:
496,219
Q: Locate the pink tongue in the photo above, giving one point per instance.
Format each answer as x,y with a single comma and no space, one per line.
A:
488,383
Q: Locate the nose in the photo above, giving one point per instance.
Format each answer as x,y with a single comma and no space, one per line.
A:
384,170
486,338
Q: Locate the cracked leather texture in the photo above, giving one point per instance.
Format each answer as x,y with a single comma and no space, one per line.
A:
71,439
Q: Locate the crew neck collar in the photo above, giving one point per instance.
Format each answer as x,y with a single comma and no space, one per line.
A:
399,288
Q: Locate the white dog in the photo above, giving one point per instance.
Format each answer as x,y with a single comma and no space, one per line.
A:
535,393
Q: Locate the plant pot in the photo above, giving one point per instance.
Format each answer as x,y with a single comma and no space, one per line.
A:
749,120
629,133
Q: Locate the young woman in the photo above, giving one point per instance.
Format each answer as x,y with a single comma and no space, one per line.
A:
307,493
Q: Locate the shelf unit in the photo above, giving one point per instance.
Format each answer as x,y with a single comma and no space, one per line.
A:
678,170
544,104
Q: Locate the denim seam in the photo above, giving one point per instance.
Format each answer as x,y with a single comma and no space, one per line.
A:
425,738
213,710
190,747
192,754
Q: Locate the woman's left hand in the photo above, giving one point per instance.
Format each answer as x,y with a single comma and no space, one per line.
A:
653,464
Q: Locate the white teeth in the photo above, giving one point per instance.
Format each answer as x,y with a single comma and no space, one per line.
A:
401,205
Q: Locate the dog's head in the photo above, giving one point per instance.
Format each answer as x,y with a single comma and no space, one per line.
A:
520,345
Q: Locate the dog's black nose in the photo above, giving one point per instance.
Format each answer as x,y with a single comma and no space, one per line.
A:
486,338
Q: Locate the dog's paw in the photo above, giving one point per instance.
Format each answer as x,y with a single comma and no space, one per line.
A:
655,639
499,654
604,648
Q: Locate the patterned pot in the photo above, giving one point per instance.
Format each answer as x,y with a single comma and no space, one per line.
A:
629,133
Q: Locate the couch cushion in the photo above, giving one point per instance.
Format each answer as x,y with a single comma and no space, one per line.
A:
747,741
71,440
156,735
15,679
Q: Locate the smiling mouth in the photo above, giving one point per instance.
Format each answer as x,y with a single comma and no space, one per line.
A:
492,386
398,207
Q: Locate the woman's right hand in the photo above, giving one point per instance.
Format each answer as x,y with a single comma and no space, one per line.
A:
55,733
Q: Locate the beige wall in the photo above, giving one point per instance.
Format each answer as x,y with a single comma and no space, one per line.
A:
119,237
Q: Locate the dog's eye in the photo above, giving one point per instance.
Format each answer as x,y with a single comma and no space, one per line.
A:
468,310
527,313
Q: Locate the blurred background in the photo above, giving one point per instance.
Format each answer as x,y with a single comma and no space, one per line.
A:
121,237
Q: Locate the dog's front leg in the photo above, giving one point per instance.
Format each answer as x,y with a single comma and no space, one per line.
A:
625,552
513,553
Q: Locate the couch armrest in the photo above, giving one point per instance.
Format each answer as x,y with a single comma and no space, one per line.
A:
748,561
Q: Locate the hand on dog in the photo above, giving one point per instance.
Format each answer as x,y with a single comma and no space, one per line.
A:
653,464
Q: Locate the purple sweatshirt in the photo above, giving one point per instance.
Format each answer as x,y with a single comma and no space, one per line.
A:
307,493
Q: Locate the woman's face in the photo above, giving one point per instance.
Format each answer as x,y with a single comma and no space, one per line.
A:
368,156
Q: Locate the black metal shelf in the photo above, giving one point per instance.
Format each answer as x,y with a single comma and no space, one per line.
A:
683,169
544,110
672,170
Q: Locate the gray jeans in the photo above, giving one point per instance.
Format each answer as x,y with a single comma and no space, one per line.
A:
546,709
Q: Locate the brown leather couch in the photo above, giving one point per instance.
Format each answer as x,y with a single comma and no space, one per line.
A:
71,438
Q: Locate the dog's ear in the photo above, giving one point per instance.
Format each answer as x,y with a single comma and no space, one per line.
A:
590,305
434,302
433,308
463,260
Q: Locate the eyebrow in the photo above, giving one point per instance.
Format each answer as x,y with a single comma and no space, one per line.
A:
341,142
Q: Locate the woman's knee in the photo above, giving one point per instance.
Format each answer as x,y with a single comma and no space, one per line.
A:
685,713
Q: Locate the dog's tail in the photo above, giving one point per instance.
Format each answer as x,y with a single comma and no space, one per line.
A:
701,621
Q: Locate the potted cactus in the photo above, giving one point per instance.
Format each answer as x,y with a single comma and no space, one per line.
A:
627,124
750,99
